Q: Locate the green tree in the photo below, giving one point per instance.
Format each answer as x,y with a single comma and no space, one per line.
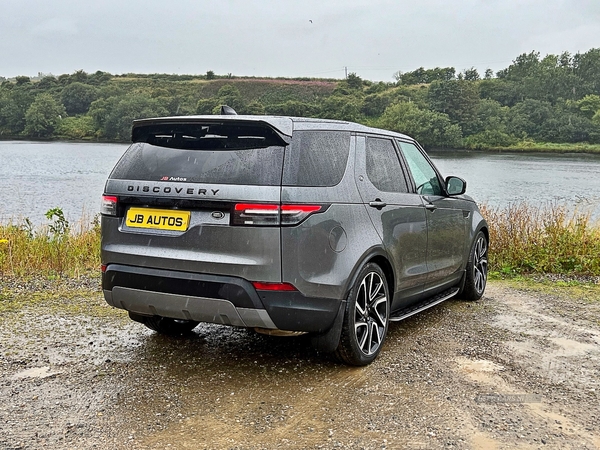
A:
77,97
21,80
132,106
100,110
255,108
425,76
43,116
490,116
230,95
471,74
14,102
292,108
354,81
99,78
206,105
586,66
79,76
375,104
340,107
458,99
430,128
590,105
78,127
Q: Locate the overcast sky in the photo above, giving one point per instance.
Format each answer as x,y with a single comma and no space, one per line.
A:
288,38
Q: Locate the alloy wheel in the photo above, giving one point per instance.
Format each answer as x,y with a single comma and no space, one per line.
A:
371,313
480,264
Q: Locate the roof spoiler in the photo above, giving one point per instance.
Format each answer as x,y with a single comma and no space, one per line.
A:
228,111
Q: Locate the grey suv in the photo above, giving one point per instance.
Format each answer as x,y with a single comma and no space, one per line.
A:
288,226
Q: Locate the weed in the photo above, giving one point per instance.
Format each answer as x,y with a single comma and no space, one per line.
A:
527,239
524,239
53,250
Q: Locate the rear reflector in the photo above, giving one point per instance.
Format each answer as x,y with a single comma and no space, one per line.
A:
261,286
264,214
109,205
103,268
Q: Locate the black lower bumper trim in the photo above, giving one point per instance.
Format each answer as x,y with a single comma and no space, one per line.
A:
294,312
236,290
290,311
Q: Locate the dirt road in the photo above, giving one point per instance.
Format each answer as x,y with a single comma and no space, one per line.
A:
514,370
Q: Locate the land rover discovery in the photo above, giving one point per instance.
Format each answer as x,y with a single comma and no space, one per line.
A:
285,225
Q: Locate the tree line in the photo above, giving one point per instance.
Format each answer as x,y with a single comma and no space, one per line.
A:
551,99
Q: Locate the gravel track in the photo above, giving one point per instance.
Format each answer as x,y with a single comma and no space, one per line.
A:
514,370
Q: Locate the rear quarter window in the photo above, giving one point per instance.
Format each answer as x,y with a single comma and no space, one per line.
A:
316,158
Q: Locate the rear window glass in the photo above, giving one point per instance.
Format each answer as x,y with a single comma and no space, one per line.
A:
316,158
254,166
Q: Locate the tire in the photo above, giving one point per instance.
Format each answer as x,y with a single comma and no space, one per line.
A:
366,318
168,326
477,269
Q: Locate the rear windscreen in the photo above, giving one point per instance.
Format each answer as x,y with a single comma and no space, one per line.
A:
204,153
142,161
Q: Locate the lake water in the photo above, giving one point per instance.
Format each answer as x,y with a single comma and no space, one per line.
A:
38,176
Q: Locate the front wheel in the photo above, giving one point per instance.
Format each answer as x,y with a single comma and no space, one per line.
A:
366,319
477,269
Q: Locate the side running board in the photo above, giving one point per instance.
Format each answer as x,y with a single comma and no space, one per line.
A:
407,312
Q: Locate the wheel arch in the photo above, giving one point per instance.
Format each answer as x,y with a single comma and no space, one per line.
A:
376,255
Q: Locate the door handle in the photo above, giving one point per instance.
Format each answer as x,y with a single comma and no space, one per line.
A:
430,206
377,203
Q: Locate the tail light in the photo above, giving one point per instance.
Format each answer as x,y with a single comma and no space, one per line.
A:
265,214
109,205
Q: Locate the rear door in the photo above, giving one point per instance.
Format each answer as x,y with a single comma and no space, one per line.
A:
397,215
201,198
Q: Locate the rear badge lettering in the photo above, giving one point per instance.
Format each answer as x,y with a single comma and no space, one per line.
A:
168,189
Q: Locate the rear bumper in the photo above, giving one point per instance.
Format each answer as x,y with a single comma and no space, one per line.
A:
214,299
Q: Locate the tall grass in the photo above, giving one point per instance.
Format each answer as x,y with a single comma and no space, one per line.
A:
524,239
57,248
527,239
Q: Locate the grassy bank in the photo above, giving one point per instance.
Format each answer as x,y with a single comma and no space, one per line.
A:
55,249
550,147
524,240
542,240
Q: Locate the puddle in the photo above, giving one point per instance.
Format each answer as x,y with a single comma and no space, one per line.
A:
569,347
35,372
478,365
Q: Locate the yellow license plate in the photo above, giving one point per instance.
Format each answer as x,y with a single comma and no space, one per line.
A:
158,219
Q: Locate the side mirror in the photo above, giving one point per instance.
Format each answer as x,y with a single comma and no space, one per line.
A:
455,186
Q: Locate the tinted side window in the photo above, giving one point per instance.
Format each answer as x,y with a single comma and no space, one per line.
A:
421,170
383,166
316,158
